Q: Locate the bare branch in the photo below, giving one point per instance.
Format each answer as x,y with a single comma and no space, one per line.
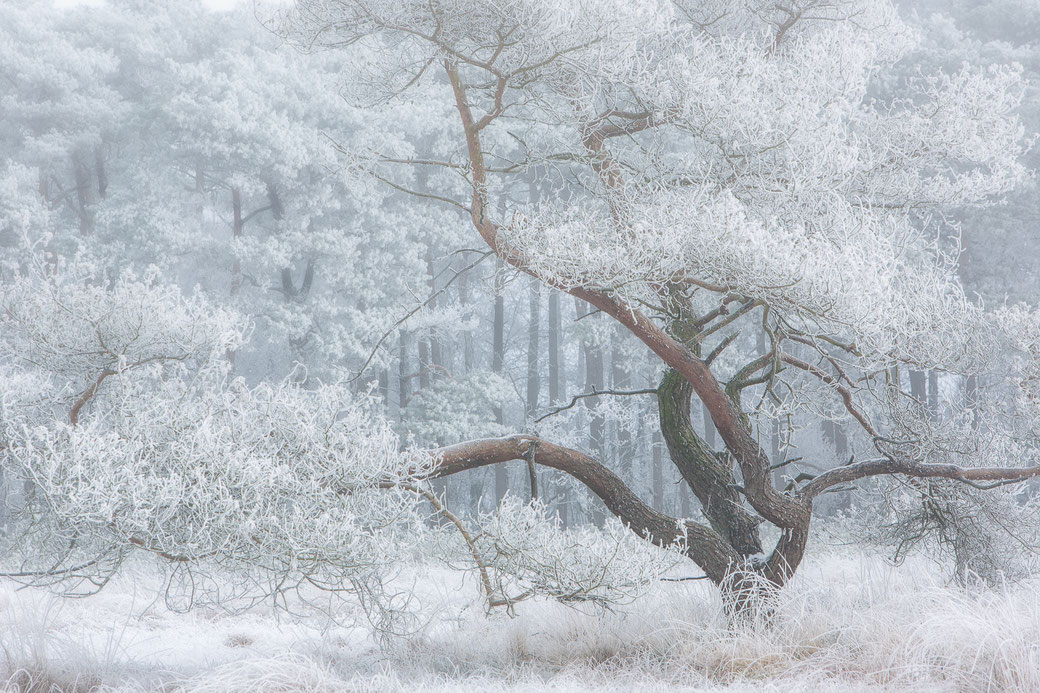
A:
596,393
920,470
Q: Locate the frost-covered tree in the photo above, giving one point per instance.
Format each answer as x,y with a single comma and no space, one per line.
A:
727,169
995,246
123,433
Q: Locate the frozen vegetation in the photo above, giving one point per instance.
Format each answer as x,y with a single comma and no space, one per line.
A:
849,622
519,345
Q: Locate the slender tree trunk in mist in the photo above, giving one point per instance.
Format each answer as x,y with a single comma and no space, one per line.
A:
100,173
657,447
776,432
657,473
580,308
555,327
436,352
709,427
685,499
594,380
972,399
384,389
430,364
933,394
626,451
290,291
534,376
237,225
200,198
84,194
498,349
557,391
467,337
44,189
777,441
834,434
476,479
403,384
424,364
919,387
236,233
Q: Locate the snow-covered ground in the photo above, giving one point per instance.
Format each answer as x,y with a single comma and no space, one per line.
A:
847,623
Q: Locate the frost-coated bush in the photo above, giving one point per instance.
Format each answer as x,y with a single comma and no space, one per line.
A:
122,432
302,485
529,553
72,324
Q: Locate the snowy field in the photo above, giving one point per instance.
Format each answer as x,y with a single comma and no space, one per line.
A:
848,623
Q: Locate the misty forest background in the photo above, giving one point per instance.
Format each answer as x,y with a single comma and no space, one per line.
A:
137,134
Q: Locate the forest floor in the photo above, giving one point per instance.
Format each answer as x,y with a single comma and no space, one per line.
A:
849,622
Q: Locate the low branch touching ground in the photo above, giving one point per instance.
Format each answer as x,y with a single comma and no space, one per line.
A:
703,544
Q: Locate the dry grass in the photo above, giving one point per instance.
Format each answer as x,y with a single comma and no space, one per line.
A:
846,624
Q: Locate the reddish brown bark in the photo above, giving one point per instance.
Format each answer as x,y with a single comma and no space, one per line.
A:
705,546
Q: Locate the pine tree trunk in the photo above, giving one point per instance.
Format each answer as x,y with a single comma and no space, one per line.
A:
236,264
384,389
430,364
236,233
403,384
84,194
476,479
436,354
594,382
709,475
100,173
619,380
709,427
534,376
557,391
467,337
424,364
919,386
972,399
933,394
498,348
